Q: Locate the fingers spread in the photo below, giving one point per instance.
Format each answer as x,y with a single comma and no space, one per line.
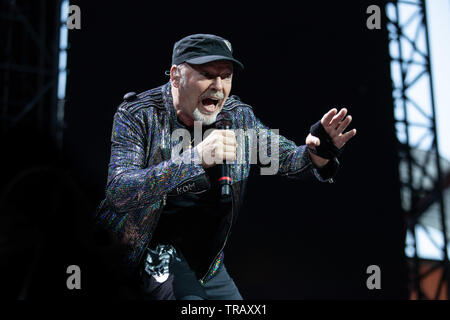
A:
338,118
347,136
328,116
344,124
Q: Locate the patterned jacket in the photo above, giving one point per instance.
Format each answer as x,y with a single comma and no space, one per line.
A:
142,171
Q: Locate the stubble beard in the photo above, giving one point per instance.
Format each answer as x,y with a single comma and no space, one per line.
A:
205,119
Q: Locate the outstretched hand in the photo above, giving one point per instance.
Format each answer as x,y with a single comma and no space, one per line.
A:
334,123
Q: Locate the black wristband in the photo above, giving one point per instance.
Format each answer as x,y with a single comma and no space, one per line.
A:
330,170
326,149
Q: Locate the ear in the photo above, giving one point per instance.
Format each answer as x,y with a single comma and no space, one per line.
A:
175,76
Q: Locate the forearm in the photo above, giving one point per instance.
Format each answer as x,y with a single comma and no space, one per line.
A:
298,164
132,183
133,188
319,162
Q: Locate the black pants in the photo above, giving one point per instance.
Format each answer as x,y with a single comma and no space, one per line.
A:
182,284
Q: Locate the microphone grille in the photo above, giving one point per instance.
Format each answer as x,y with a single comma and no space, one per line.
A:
223,120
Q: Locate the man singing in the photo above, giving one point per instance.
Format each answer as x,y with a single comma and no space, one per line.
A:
166,208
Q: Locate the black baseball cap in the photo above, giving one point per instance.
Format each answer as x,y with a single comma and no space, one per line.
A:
203,48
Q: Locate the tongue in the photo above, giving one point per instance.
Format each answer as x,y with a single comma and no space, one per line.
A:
209,105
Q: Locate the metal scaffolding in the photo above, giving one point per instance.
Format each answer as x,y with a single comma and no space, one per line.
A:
32,81
421,176
30,68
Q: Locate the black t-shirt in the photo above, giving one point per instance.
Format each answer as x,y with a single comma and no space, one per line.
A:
194,223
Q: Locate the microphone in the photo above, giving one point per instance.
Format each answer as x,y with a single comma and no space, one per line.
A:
223,121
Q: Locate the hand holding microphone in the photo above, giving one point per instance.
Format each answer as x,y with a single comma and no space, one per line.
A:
218,147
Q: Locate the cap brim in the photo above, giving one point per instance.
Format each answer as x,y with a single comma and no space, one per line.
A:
206,59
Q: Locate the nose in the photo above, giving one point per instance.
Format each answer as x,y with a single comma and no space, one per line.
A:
217,83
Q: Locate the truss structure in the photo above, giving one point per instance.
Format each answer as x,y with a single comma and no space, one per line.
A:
421,177
31,67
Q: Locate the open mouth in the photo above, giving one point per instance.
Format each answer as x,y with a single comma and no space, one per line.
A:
210,104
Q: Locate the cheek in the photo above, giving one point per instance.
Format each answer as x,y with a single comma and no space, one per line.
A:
196,89
191,91
228,89
196,97
227,85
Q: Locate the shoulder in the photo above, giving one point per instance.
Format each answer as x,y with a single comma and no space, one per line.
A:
150,99
234,102
242,112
